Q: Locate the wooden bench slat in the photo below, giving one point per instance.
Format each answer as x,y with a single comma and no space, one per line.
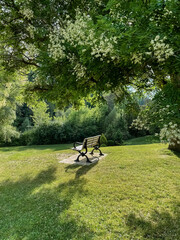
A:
89,142
92,140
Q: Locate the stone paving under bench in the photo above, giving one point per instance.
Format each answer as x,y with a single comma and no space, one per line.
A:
82,161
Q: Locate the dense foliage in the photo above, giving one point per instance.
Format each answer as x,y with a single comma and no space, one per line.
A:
83,47
74,125
8,93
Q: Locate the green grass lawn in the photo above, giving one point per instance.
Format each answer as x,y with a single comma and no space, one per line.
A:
133,193
142,140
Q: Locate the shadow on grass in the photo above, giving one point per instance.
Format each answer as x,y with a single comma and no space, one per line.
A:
167,151
176,153
162,225
32,211
54,147
82,170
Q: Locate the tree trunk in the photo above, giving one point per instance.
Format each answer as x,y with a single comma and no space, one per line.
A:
175,146
176,82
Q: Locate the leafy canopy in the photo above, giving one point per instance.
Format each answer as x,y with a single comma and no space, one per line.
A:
78,48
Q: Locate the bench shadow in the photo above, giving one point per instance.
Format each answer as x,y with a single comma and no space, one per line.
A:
31,211
162,225
82,169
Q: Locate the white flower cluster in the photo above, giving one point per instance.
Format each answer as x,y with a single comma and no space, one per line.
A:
161,50
104,48
139,124
28,13
79,70
167,12
118,16
99,2
165,112
137,58
170,133
78,35
57,51
74,33
31,30
32,51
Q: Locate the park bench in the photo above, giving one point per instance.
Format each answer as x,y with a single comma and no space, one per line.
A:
92,142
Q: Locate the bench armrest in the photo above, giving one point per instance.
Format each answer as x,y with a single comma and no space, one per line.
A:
80,143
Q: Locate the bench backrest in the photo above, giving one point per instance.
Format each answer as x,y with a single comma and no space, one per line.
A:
91,141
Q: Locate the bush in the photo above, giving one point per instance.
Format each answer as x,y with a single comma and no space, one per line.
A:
103,140
118,136
74,125
27,137
7,134
49,133
119,143
111,143
103,145
56,133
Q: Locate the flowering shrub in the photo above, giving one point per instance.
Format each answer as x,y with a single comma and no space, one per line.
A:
162,118
170,133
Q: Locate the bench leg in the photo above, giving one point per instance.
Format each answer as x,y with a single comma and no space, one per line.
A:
77,160
83,154
101,154
91,152
88,161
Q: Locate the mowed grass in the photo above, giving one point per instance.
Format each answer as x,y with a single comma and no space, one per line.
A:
133,193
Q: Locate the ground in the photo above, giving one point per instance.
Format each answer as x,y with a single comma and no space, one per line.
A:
133,193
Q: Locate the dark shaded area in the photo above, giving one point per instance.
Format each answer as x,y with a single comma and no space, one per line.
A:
31,213
23,119
176,153
162,225
175,147
82,170
170,152
55,147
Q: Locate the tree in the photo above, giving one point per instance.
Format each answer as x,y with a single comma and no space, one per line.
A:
84,47
40,113
23,119
132,43
9,89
